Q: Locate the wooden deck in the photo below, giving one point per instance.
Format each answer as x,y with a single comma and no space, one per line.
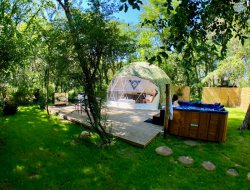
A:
126,124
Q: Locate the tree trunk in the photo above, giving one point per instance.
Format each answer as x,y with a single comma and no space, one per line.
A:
246,121
166,118
47,90
92,107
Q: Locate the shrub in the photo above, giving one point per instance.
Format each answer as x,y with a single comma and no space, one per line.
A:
9,108
42,101
22,97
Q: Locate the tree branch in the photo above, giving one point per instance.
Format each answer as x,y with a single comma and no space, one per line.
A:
60,2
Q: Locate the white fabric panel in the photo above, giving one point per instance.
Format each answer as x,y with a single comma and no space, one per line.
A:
121,86
171,111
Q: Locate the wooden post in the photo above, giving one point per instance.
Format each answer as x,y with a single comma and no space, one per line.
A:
166,111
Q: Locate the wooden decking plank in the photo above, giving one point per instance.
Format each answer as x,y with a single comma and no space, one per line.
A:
127,125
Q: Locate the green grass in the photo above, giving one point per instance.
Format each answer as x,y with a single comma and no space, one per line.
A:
37,153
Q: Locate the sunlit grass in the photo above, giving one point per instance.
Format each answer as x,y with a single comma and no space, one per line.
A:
38,152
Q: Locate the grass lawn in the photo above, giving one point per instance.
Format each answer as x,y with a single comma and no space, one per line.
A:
38,153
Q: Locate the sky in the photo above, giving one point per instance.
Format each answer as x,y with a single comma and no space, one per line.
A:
132,16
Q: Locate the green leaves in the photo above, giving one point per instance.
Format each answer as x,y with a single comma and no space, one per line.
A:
151,60
134,3
124,6
242,39
14,40
121,8
163,54
159,58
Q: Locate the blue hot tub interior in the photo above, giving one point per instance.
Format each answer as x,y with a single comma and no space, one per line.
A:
200,107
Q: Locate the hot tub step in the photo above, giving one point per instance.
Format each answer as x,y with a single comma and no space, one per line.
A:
158,120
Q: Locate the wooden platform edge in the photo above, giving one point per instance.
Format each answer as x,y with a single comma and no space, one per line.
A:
64,116
74,120
140,145
154,137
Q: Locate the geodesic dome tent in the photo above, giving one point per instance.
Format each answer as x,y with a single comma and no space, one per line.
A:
138,85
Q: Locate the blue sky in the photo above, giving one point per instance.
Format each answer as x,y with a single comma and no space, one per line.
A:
132,16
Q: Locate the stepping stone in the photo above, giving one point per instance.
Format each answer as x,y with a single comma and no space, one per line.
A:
164,151
85,134
191,143
207,165
186,160
248,176
232,172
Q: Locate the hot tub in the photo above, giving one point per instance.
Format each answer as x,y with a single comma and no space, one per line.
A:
199,121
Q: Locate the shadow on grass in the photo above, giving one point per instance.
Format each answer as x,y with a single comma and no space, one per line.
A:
40,153
37,150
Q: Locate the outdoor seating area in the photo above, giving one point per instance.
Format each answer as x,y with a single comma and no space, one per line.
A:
80,102
60,99
127,124
138,97
124,95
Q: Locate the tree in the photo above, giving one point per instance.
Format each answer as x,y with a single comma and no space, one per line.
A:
51,50
191,71
95,40
193,23
241,52
246,122
15,19
228,73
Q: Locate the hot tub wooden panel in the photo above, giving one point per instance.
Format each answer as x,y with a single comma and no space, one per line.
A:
184,123
213,128
193,124
203,125
199,125
176,122
223,129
